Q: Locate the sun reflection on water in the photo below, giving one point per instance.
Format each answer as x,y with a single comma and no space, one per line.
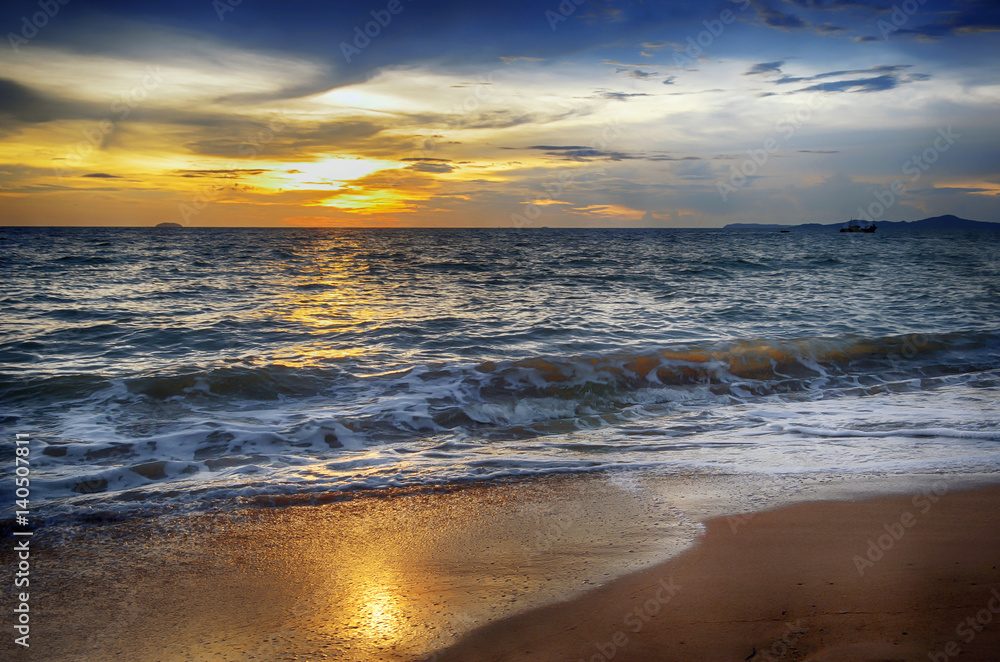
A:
329,290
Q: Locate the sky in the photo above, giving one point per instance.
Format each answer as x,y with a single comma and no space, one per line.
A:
579,113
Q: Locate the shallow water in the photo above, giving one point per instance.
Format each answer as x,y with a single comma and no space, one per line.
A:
192,367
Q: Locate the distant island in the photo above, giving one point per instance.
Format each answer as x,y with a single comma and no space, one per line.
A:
168,225
947,222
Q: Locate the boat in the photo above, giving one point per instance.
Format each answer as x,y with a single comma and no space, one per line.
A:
855,226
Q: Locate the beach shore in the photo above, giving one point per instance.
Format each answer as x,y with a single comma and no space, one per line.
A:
896,578
564,568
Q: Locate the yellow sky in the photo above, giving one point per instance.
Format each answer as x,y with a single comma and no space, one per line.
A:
208,136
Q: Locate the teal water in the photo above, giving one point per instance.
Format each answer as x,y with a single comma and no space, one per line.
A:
192,367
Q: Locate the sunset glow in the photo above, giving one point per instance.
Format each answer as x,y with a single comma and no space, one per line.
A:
615,114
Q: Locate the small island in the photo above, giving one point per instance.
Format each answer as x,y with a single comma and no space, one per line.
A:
168,225
946,222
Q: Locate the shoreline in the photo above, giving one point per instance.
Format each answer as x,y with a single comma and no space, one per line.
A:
893,578
407,576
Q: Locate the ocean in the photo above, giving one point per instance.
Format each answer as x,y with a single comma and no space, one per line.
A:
176,370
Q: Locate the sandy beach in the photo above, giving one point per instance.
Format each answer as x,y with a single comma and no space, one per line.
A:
559,569
375,576
895,578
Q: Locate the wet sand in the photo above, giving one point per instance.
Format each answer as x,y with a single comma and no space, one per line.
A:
388,576
896,578
549,569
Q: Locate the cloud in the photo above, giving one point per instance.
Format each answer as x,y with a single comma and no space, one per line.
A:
777,19
239,138
657,45
20,104
102,175
939,190
969,17
650,47
877,5
651,218
975,17
669,80
439,168
514,58
224,173
427,164
581,153
765,68
693,170
888,79
774,18
638,74
880,69
617,96
876,84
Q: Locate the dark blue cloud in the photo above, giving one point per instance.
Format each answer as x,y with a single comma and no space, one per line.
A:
878,5
637,73
881,69
876,84
765,68
619,96
778,19
974,17
450,32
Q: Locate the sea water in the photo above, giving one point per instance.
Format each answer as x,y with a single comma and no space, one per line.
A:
195,368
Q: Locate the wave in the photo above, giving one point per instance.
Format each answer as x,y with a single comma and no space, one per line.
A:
765,361
764,366
276,427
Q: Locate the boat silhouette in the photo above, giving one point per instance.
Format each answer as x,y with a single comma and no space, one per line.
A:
855,226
